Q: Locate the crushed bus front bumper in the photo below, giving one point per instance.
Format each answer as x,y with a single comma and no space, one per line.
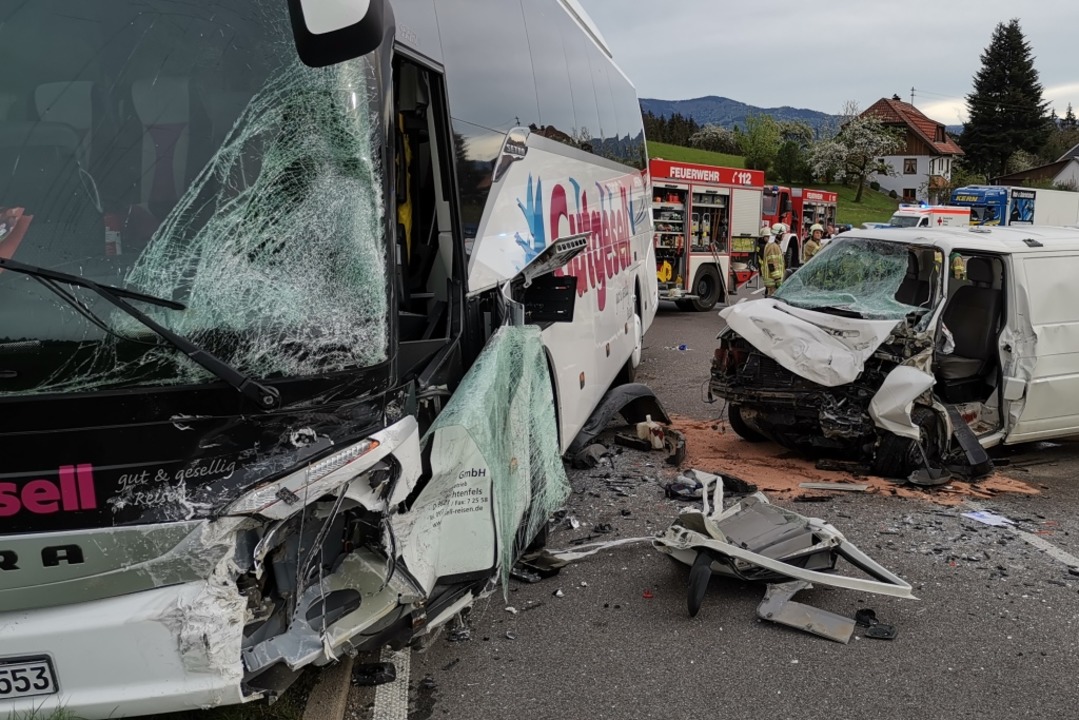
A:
160,650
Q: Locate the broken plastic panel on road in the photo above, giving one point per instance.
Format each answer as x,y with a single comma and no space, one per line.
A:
753,540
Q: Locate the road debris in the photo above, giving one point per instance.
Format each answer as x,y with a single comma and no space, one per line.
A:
875,629
987,518
371,674
838,486
591,456
633,442
778,607
651,431
688,485
754,540
674,443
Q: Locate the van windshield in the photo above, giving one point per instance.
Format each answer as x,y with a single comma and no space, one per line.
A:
874,279
180,149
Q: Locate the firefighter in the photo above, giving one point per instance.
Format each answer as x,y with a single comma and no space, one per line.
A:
959,266
812,247
772,268
762,240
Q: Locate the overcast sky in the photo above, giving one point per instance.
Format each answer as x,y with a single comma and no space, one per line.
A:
819,54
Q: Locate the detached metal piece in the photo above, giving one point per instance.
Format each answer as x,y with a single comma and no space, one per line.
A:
778,607
757,541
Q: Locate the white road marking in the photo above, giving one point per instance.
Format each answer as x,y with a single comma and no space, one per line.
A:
391,699
1037,541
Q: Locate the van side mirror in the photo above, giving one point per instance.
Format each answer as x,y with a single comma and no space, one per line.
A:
328,32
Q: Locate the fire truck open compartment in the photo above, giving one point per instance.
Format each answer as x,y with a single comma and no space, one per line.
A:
706,222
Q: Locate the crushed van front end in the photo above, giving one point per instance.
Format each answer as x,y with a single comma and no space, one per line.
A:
840,362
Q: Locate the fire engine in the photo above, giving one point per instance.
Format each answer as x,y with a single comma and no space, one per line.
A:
798,207
813,206
707,219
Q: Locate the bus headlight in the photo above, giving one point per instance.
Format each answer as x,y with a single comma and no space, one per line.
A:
283,497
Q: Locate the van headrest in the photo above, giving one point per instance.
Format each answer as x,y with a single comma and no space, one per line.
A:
980,270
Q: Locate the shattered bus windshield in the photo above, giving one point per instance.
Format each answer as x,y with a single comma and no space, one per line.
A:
873,279
181,150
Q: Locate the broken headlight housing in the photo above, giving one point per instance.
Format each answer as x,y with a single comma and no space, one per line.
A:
282,497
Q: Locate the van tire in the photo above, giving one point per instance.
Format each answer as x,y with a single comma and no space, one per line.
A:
740,427
898,457
708,288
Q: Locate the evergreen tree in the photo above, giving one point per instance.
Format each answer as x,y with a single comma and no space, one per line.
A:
1069,122
1006,109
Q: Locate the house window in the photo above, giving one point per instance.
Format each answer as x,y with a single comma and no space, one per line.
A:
939,137
910,166
910,195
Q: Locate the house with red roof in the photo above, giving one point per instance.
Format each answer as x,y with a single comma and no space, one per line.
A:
924,164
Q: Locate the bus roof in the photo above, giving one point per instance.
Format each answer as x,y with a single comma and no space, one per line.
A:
585,20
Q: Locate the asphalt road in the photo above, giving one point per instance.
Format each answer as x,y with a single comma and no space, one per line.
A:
994,633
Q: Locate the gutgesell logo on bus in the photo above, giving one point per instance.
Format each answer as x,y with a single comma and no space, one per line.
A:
72,490
528,209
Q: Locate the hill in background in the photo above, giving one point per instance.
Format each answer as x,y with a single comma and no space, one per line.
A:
713,110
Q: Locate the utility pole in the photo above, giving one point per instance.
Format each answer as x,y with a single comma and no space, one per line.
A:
911,94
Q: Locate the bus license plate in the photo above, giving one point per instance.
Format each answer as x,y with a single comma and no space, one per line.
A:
26,677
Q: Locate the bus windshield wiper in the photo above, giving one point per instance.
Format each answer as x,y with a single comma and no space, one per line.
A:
267,398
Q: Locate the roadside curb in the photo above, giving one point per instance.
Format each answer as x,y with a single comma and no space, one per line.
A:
329,698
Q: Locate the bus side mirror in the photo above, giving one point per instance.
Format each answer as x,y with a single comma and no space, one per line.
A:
328,32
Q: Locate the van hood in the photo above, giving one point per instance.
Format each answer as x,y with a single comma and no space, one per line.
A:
825,349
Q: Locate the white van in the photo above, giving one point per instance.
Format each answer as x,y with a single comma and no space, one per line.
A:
887,349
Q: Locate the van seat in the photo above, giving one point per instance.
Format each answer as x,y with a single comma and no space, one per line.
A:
972,316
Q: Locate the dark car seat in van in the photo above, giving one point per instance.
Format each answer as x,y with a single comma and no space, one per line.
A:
973,317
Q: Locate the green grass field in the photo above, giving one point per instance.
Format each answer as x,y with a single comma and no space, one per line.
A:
693,155
875,206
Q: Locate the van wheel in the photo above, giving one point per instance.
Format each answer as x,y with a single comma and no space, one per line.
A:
739,425
898,457
707,288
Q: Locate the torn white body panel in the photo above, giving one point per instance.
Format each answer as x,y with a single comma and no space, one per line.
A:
890,408
496,471
172,648
755,540
778,607
826,349
451,528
